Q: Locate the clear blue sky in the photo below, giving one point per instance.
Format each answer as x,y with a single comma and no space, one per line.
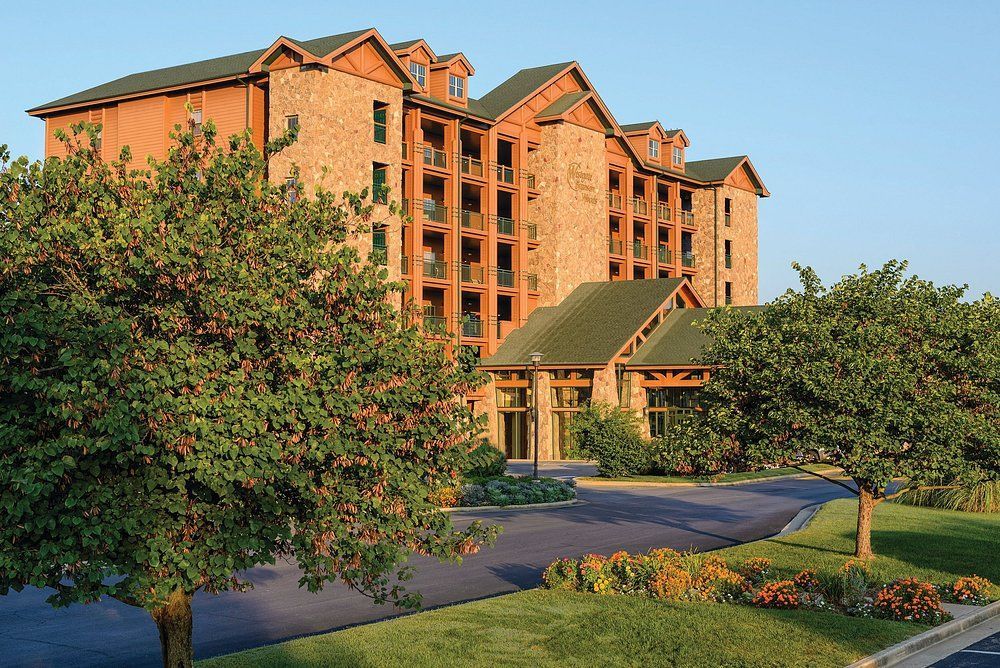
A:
876,125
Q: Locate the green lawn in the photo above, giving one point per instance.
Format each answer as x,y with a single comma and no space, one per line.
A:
548,628
725,477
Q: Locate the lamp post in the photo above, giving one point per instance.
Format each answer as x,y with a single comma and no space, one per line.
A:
535,359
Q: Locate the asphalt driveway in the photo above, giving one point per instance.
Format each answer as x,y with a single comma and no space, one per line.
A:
609,519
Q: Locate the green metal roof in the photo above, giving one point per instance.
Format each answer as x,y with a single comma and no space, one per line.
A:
589,327
448,56
562,104
715,169
636,127
475,108
519,86
678,341
190,73
399,46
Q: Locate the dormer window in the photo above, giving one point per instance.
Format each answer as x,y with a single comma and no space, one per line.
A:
456,86
654,149
419,73
678,155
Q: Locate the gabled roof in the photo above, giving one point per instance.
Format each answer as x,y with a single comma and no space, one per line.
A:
629,128
521,85
589,327
719,169
323,46
562,104
678,341
404,46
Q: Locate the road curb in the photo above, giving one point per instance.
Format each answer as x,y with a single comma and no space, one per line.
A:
736,483
526,506
893,655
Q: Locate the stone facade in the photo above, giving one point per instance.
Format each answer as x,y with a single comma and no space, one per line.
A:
710,246
335,148
571,211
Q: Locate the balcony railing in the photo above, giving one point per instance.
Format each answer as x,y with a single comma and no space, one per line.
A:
435,212
505,174
472,166
406,150
614,200
404,265
472,273
473,327
505,278
663,211
380,250
640,250
531,229
435,269
687,217
435,324
729,261
663,255
505,225
529,179
532,280
473,220
615,247
435,157
687,259
639,206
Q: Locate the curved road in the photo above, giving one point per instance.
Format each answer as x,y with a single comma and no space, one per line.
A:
609,519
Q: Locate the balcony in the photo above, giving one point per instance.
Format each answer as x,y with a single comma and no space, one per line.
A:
472,166
639,206
435,324
532,280
505,278
614,200
472,273
729,261
505,225
664,255
505,174
473,327
435,157
380,250
406,151
436,269
473,220
687,259
616,247
531,229
640,251
663,211
687,217
435,212
529,180
404,265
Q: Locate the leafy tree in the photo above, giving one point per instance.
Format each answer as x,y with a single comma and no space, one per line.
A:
882,374
199,376
613,437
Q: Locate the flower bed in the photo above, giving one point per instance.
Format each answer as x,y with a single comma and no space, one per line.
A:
507,491
669,575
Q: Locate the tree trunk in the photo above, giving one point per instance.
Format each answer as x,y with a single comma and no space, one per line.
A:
173,621
863,539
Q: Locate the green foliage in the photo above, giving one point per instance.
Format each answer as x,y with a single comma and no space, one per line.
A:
199,376
515,491
979,497
486,461
613,438
684,451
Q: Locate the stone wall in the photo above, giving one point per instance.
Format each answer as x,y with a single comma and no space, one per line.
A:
336,147
710,252
570,168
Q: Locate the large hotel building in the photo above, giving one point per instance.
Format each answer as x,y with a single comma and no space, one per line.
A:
536,222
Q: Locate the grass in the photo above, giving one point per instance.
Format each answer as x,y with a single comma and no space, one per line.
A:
551,628
725,477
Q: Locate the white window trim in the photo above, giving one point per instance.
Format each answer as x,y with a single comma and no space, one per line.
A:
678,156
654,148
456,86
419,72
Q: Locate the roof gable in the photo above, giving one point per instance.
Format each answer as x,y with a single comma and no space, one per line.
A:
678,341
520,86
720,170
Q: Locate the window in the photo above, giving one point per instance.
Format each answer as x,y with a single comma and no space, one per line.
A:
196,121
669,406
291,186
419,73
456,86
729,254
379,190
729,212
291,122
678,155
729,292
99,140
654,149
378,116
380,250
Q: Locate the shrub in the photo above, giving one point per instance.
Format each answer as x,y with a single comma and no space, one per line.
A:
628,572
486,461
613,439
446,496
680,452
780,594
972,590
910,600
512,491
981,497
561,574
806,580
669,582
595,575
715,580
755,569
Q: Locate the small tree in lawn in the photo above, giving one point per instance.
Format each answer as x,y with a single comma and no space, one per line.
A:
197,376
884,375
